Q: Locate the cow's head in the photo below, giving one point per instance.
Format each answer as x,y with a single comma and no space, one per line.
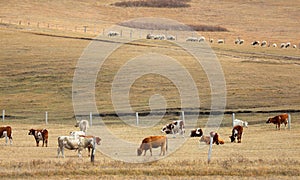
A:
246,124
268,121
98,140
232,138
31,132
77,124
139,151
167,129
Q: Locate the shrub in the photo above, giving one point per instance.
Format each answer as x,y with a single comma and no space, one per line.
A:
154,3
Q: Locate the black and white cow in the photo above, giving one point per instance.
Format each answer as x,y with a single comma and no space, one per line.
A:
196,132
176,127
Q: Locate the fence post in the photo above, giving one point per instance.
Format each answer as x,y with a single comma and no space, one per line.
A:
137,118
233,118
91,119
183,118
210,146
46,117
289,120
3,115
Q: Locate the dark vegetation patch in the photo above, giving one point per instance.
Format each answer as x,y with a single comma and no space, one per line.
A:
171,27
154,3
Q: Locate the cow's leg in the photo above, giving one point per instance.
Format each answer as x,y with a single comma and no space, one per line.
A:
151,151
46,142
10,139
145,152
37,142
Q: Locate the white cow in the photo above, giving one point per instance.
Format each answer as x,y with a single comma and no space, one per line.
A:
240,122
83,125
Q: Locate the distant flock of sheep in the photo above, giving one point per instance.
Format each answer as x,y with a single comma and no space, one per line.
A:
238,41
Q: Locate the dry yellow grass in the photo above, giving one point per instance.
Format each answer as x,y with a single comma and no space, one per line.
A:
37,65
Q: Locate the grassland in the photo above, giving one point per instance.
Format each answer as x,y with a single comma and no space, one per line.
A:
37,66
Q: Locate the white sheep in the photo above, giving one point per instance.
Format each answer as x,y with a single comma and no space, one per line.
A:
83,125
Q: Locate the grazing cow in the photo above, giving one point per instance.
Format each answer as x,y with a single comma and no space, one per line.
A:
282,45
263,43
254,43
171,37
237,132
294,46
176,127
216,139
239,41
39,135
240,122
287,45
221,41
274,45
7,133
83,125
196,132
192,39
201,39
153,142
113,33
278,120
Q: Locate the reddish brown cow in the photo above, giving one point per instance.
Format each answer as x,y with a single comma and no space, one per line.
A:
39,135
278,120
216,139
237,132
7,133
153,142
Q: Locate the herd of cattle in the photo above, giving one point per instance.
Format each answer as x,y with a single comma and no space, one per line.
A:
238,41
78,140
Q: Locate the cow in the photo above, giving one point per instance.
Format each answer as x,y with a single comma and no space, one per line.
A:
240,122
83,125
176,127
39,135
278,120
196,132
216,139
237,132
76,143
7,133
153,142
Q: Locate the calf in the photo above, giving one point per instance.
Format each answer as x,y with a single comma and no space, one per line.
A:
237,132
176,127
278,120
240,122
7,133
39,135
83,125
153,142
196,132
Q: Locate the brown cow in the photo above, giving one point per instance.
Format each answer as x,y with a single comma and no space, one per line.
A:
237,132
39,135
153,142
282,118
7,133
216,139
